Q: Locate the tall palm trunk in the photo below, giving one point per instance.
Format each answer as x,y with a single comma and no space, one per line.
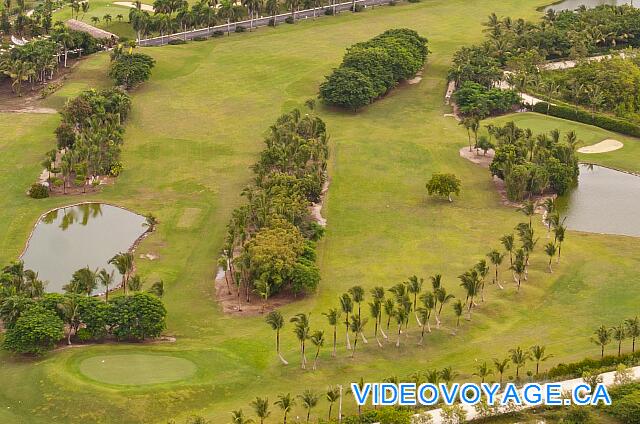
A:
399,332
284,361
355,343
347,333
335,340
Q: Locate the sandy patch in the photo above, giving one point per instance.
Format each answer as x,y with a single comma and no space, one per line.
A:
608,145
145,7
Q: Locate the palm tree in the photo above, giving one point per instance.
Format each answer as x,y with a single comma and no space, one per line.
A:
602,338
332,396
483,371
293,6
519,268
633,331
105,279
276,321
538,355
357,293
429,303
483,269
70,310
519,358
559,232
550,249
458,308
414,286
273,8
357,327
390,310
261,408
470,281
333,316
447,374
123,262
619,334
347,307
375,308
401,316
508,242
95,19
495,257
444,298
501,366
317,338
309,401
301,331
286,403
19,71
229,12
237,417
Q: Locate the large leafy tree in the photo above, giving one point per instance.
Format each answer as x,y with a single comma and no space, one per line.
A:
444,185
35,332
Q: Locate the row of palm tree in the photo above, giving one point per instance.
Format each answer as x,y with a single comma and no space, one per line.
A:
629,329
308,400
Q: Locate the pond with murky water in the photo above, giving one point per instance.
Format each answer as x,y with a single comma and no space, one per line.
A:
69,238
605,201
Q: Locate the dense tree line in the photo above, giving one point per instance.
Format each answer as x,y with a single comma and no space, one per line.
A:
270,243
37,61
36,321
371,68
531,164
519,46
477,100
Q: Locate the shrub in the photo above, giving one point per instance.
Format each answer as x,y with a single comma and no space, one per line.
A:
575,369
38,191
176,41
347,88
35,332
626,409
414,1
475,99
272,22
199,38
130,70
289,20
240,29
328,12
218,33
358,8
580,115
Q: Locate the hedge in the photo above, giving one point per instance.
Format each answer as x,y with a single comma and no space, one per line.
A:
575,369
371,68
580,115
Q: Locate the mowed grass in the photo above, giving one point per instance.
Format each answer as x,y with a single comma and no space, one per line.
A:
625,159
100,8
195,130
136,369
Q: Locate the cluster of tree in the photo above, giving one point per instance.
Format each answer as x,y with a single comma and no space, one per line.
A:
476,100
520,46
371,68
37,61
629,329
611,85
36,321
409,299
270,243
531,164
88,138
14,19
130,69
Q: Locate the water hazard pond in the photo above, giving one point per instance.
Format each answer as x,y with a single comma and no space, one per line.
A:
605,201
67,239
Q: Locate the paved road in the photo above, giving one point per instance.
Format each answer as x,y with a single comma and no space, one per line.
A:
262,21
567,385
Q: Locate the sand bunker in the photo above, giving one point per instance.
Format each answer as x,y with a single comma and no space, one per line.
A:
145,7
607,145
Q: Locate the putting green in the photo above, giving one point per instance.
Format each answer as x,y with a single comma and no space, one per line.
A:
136,369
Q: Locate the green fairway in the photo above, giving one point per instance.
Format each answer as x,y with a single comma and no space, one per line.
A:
195,129
136,369
625,159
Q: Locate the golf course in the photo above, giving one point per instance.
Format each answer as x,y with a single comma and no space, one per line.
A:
195,129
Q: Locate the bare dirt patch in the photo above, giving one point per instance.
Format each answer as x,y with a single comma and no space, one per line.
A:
608,145
229,302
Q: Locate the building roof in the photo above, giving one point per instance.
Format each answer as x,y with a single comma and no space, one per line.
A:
90,29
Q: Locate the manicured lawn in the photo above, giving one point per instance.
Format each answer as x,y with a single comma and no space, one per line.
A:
136,369
196,128
624,159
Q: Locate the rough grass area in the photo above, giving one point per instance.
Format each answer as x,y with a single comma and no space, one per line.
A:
195,129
